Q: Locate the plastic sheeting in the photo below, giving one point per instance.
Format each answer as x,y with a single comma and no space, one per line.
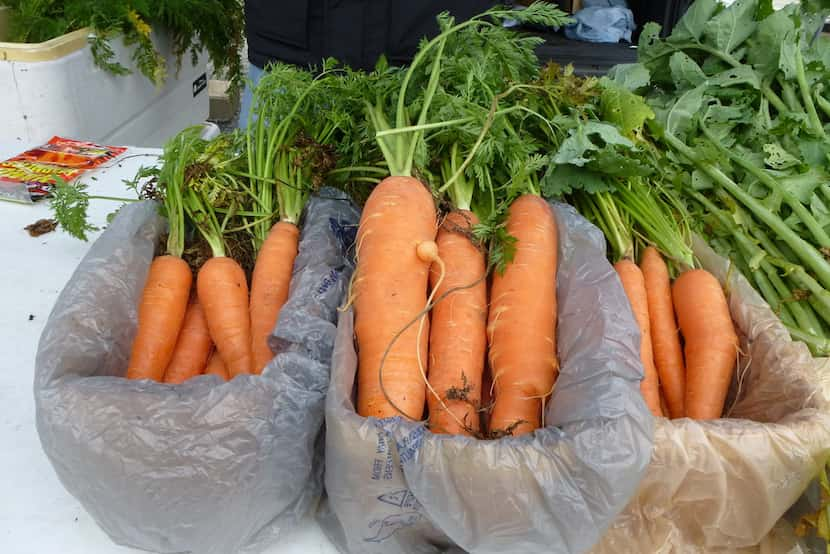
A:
721,486
206,467
395,487
602,21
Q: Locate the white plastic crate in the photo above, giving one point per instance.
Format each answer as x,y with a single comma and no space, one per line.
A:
55,88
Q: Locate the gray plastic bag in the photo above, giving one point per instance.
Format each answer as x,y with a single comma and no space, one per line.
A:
205,467
393,486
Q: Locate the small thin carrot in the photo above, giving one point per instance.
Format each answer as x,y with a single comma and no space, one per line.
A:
161,312
635,290
269,287
458,329
223,294
216,366
192,347
711,342
522,320
665,339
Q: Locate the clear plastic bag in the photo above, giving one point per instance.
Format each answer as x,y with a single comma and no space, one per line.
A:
206,467
393,486
722,486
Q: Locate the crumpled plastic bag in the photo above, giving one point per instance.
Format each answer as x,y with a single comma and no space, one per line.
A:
206,467
721,486
602,21
393,486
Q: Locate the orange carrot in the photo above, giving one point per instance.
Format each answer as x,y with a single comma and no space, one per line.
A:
665,340
458,329
663,406
192,347
522,320
486,396
711,342
390,290
216,366
223,294
269,287
635,290
160,316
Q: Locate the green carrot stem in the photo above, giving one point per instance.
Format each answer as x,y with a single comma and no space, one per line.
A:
805,251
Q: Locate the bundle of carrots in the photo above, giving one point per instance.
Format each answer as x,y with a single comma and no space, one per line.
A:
429,314
181,332
693,380
239,183
454,313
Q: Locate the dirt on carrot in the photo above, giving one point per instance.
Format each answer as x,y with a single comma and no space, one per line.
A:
197,252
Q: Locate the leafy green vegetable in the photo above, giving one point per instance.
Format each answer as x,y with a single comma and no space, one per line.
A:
632,76
624,109
563,180
685,70
778,158
740,75
694,22
217,26
588,137
731,27
69,204
749,145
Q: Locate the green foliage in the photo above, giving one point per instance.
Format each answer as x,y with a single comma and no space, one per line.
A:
742,115
217,26
501,245
69,204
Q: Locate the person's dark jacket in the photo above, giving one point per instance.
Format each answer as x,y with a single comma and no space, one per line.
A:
356,32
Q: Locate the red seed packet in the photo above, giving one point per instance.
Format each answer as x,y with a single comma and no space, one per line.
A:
30,176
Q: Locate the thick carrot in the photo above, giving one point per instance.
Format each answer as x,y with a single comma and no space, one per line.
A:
216,366
223,294
486,396
390,290
711,342
515,413
160,316
192,347
665,339
269,287
522,320
635,290
458,329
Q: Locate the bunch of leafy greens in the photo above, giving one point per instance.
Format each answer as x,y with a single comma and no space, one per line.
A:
739,95
300,124
216,26
602,162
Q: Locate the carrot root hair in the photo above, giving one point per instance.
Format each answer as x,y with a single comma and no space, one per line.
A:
420,317
741,375
542,397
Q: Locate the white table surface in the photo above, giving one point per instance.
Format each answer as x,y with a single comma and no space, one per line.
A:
37,515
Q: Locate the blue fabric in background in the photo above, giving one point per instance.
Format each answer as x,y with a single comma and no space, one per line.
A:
254,75
602,21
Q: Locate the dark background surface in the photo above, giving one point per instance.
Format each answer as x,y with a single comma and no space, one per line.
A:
595,59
